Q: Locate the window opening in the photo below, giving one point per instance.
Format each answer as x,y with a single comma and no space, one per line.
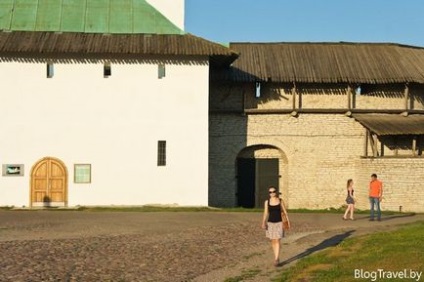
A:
107,70
161,71
82,173
258,90
358,90
161,153
50,70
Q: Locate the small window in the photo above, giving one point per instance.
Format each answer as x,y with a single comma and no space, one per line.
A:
107,70
50,70
161,71
258,90
161,153
358,90
82,173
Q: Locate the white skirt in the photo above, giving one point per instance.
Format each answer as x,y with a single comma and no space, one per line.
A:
274,230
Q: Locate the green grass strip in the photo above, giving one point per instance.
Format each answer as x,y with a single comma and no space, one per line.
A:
376,257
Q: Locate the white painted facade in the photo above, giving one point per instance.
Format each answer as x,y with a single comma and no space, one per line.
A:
172,9
113,123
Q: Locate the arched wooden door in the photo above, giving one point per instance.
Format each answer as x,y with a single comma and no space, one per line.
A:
49,183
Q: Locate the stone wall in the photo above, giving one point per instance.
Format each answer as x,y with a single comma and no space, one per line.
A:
320,152
332,96
402,182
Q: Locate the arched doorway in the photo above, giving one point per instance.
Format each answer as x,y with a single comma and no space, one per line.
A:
259,167
49,183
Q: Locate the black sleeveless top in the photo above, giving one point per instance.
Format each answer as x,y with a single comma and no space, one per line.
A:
274,213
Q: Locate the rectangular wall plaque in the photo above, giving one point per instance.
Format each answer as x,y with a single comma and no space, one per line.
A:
13,170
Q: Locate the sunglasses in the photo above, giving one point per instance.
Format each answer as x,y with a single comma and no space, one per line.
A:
271,192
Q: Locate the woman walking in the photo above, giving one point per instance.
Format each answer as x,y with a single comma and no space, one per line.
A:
350,201
272,221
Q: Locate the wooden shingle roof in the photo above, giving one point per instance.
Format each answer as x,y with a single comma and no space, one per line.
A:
327,63
18,43
389,124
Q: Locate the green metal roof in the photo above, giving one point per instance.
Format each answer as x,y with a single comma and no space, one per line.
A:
88,16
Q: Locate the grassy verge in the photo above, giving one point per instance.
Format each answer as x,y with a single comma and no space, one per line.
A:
397,251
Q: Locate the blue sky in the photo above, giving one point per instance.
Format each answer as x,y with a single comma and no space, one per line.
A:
396,21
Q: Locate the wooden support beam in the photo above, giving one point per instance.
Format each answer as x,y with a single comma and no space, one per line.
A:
367,133
349,97
373,142
414,146
406,94
396,147
294,96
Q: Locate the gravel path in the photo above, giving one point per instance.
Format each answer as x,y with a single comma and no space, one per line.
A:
160,246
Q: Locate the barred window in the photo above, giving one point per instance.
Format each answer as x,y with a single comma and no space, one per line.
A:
161,153
50,70
161,71
107,70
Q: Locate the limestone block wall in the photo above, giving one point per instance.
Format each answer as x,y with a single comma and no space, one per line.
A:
333,96
417,97
227,97
320,149
402,182
227,137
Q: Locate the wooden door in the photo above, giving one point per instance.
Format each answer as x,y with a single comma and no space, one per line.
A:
254,177
246,183
49,183
267,174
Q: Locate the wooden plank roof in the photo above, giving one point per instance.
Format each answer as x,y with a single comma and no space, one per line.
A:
72,43
327,63
390,124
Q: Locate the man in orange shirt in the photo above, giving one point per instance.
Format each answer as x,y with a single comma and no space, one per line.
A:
376,194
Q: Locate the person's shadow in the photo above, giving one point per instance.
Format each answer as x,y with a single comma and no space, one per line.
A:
389,217
332,241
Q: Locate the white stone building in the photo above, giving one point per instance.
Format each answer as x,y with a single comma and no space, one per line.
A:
103,105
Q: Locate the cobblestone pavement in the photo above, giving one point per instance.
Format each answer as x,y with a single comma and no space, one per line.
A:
157,246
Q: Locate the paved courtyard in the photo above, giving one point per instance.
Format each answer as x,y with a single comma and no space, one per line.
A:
161,246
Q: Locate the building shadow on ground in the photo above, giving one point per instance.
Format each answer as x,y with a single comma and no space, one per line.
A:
330,242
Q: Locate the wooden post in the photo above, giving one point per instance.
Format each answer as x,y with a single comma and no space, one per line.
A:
373,142
414,146
396,142
294,113
294,96
406,93
367,133
349,97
